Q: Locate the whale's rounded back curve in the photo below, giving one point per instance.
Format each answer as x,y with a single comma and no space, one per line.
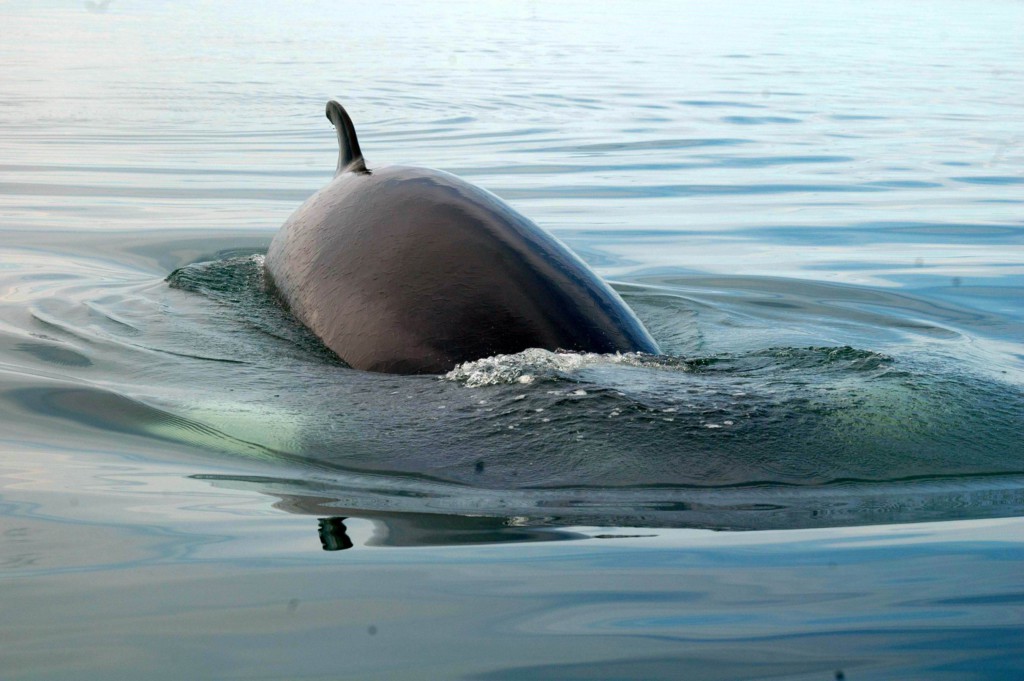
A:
411,270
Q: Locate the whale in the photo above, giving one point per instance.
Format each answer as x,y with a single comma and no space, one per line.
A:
409,270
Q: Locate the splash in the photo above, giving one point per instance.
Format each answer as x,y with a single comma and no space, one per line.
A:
536,364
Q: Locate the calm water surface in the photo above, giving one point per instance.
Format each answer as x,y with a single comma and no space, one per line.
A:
816,210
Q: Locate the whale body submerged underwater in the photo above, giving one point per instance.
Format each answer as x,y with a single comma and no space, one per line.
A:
413,271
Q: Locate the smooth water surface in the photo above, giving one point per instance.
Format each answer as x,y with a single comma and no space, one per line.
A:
816,210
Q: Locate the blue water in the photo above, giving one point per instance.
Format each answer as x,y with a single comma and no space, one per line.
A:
816,210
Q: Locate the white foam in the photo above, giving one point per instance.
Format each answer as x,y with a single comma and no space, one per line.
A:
535,364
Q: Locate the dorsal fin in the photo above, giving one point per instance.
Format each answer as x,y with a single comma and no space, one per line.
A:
350,158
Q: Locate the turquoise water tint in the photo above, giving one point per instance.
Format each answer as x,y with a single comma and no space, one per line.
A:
816,208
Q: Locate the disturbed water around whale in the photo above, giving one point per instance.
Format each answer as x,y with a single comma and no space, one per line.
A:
827,249
734,438
750,435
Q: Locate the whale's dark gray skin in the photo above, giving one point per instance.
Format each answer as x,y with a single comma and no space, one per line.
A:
412,271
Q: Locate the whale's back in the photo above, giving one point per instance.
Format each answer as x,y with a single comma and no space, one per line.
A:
410,270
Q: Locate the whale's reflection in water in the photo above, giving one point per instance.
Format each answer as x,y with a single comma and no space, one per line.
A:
426,530
422,515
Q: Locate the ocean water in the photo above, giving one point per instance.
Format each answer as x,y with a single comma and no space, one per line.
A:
816,209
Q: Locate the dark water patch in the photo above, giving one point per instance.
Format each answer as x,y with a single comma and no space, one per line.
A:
294,196
903,232
770,161
238,283
499,137
989,599
857,117
759,120
642,145
949,230
990,179
179,171
904,184
454,120
55,354
567,98
713,103
714,162
678,190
